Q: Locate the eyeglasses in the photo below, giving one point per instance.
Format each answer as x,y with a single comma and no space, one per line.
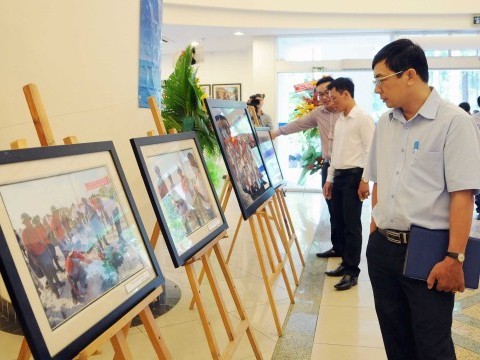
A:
378,81
322,94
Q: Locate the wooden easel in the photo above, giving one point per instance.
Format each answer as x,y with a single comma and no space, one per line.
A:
116,334
261,219
281,208
234,335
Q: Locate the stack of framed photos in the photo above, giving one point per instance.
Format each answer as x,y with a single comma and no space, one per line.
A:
240,150
183,197
73,251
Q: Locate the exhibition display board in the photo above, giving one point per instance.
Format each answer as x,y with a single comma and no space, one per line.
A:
109,273
192,223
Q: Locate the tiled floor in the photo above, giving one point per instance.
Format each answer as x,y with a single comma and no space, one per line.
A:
322,324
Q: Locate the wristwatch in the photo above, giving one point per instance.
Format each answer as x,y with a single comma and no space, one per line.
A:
459,256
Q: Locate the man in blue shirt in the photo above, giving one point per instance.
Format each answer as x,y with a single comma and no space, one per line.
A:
425,166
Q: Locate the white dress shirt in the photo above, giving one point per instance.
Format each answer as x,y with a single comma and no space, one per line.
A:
353,137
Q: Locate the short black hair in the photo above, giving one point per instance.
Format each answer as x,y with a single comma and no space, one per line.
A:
253,102
401,55
324,80
342,84
478,101
465,106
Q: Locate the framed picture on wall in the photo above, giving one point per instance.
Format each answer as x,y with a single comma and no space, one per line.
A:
183,197
207,89
269,155
227,91
73,251
241,153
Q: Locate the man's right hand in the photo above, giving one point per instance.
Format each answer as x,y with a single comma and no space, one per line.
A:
327,190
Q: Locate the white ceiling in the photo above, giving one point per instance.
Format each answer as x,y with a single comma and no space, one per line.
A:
216,38
213,22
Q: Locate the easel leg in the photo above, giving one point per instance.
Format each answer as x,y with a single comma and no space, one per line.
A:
265,241
200,280
285,242
266,281
281,261
286,213
237,229
207,266
212,342
236,299
154,334
155,235
25,352
119,343
125,330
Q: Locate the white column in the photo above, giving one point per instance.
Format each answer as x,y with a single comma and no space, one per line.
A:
264,72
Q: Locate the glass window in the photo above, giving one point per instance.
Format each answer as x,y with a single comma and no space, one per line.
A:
330,47
291,147
436,53
457,86
465,52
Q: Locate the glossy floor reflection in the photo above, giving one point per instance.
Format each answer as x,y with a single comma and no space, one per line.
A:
322,324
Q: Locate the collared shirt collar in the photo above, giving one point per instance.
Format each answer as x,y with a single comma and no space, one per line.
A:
325,110
352,112
428,110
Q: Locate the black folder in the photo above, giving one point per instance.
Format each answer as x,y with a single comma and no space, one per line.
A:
428,247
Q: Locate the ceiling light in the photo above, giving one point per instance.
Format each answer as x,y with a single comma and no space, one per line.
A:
238,33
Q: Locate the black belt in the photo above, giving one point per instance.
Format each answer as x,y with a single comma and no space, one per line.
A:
340,172
395,236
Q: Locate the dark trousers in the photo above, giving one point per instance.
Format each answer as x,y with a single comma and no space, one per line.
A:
346,221
415,322
477,201
325,167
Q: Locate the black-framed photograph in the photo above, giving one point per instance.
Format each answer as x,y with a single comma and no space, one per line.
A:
183,197
227,91
207,89
269,155
240,150
74,254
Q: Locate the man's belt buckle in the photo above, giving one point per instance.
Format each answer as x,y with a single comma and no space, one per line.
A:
397,237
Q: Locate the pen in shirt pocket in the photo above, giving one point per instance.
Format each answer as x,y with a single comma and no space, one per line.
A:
416,146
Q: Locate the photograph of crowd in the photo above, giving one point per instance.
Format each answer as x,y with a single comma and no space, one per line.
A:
74,238
240,151
269,155
186,203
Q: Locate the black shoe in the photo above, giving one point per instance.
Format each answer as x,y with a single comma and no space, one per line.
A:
328,253
339,271
478,216
346,283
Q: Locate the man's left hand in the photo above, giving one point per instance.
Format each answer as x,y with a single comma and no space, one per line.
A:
363,190
448,274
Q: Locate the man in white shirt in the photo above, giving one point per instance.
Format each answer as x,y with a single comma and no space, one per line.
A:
324,118
345,183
